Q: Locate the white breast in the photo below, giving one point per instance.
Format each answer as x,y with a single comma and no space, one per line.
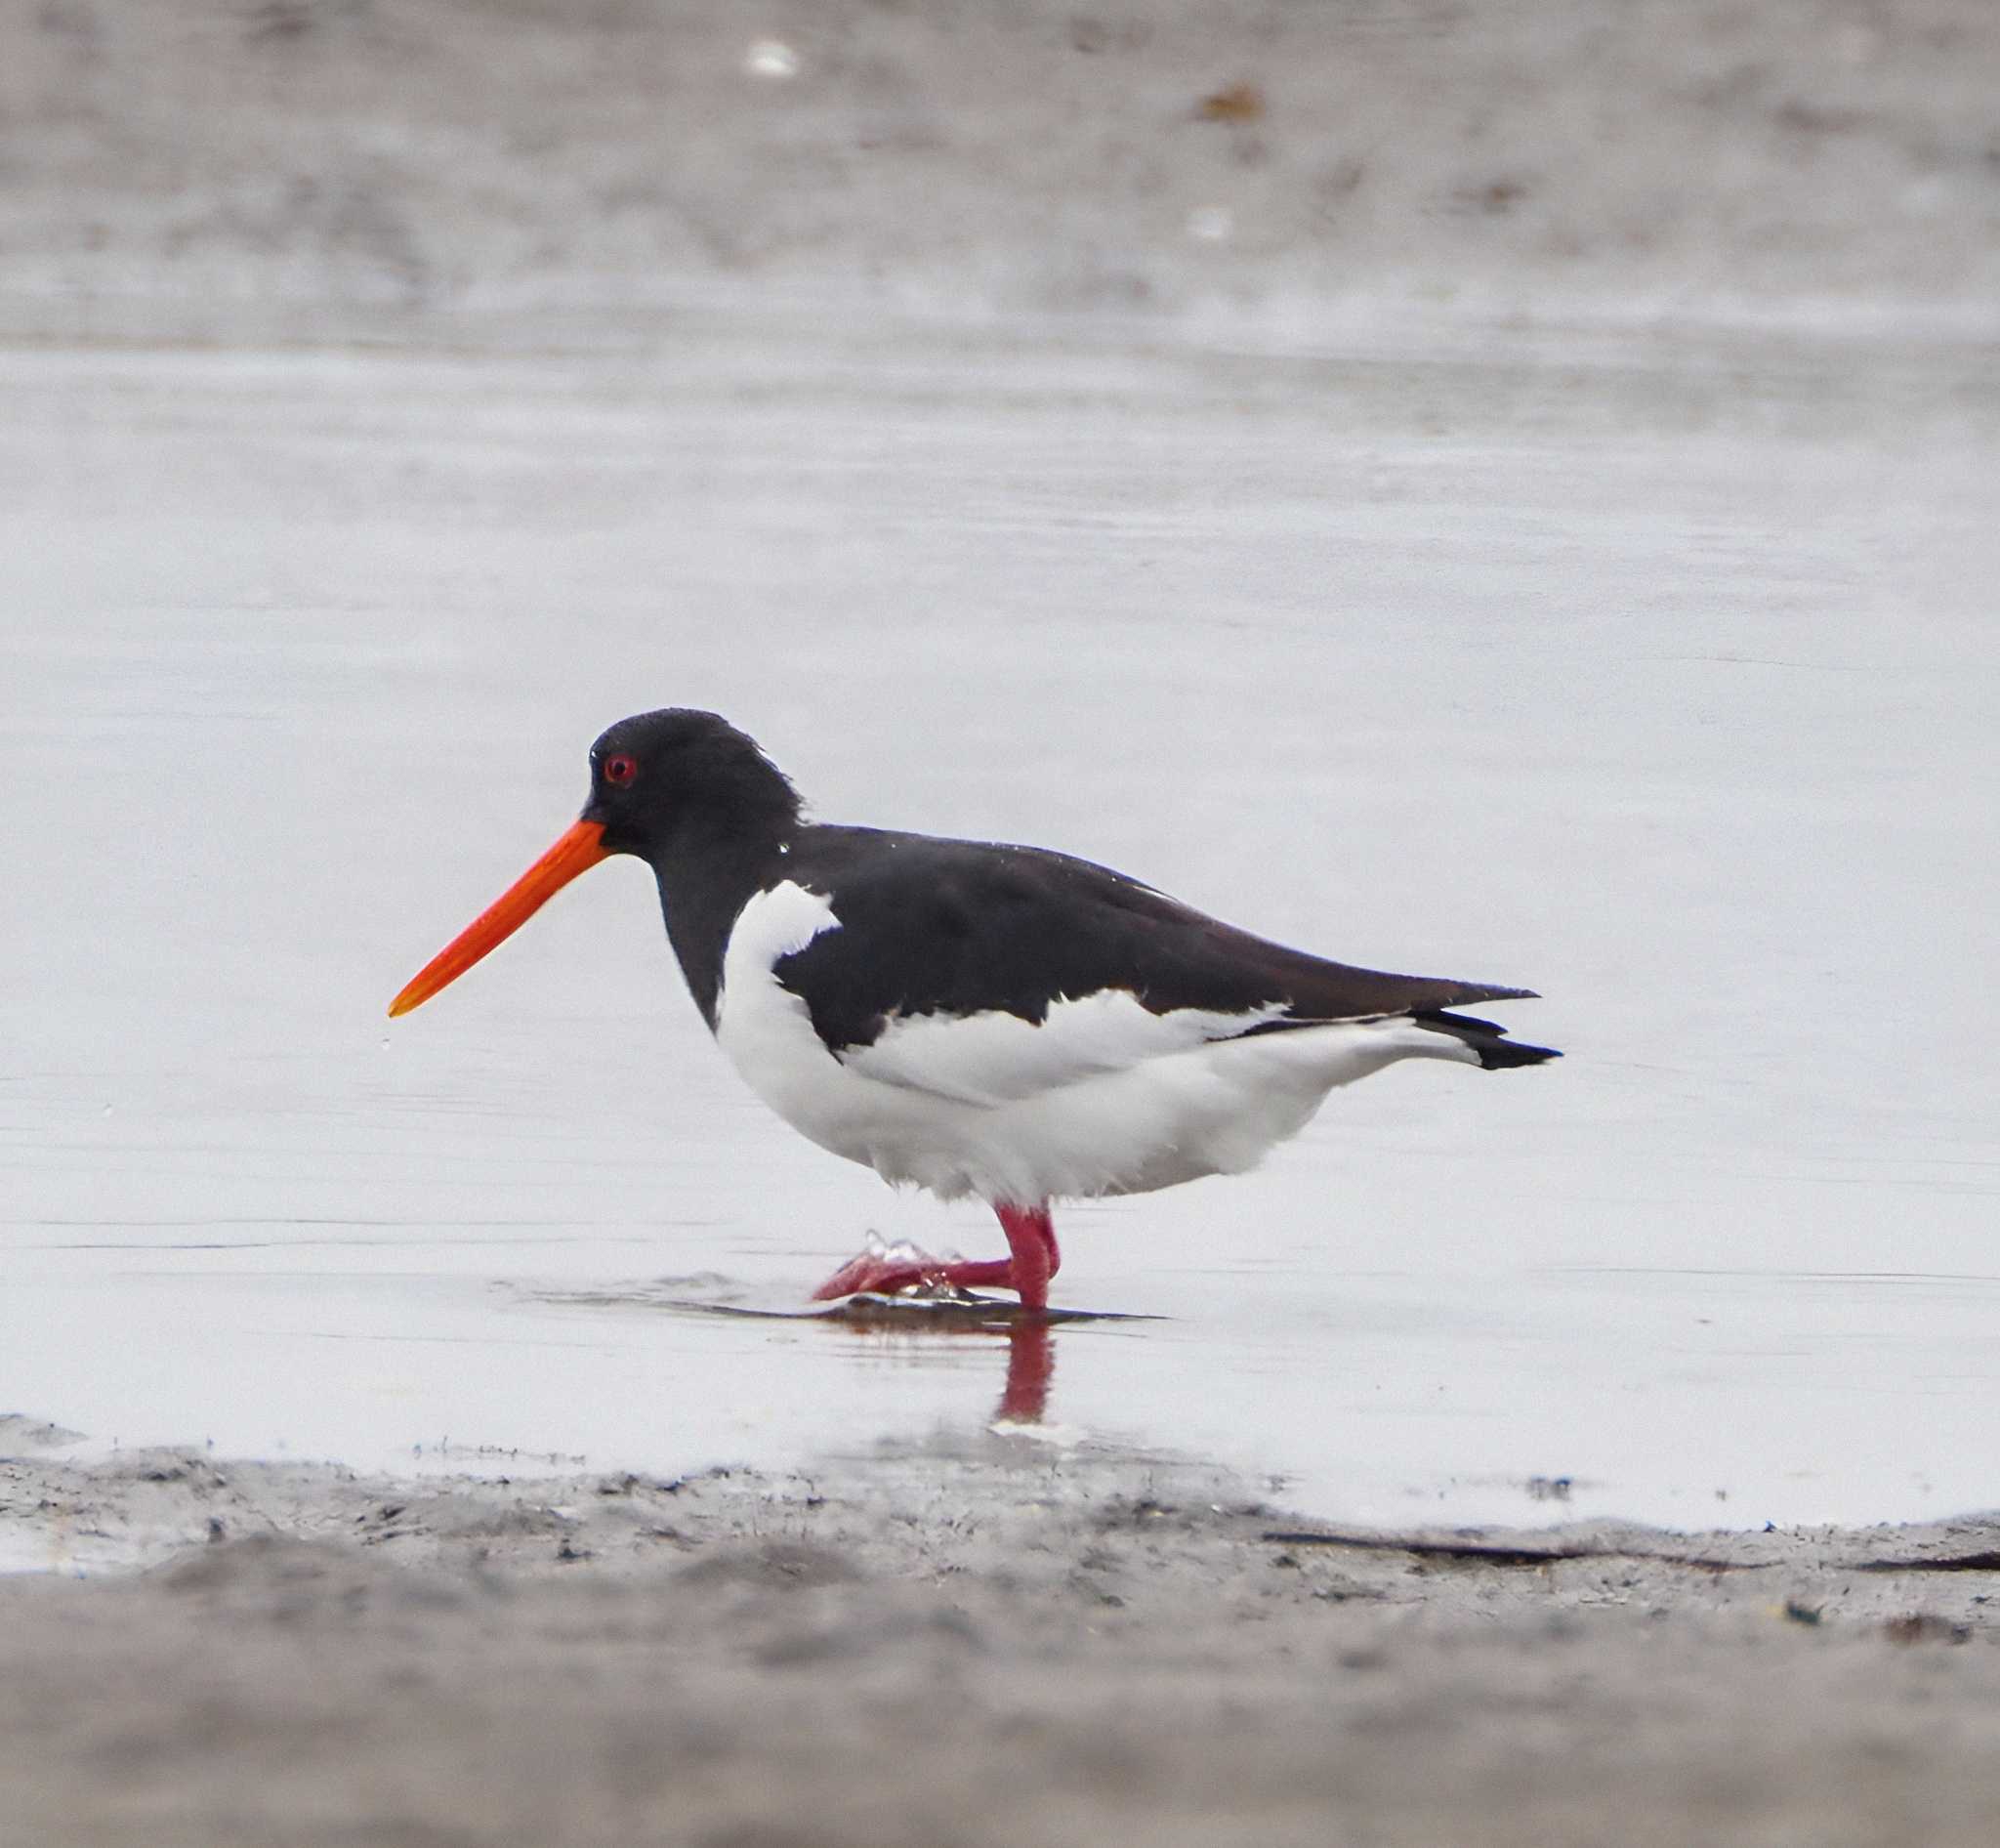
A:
1101,1097
765,1030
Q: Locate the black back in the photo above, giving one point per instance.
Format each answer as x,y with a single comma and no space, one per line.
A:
966,927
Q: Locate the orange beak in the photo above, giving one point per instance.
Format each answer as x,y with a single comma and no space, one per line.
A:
580,849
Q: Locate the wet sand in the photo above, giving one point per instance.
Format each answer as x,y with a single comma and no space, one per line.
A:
412,169
993,1639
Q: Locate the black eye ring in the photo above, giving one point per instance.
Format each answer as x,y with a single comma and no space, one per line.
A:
620,770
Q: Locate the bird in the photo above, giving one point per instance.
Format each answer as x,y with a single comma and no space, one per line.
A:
974,1018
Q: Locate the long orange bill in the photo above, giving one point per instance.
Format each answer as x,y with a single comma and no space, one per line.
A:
580,849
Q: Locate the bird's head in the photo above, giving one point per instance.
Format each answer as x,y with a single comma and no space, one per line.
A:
660,777
658,781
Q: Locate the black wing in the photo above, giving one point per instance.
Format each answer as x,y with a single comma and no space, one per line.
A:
954,928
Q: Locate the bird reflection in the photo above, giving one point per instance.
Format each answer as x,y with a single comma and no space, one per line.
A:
1029,1337
1030,1372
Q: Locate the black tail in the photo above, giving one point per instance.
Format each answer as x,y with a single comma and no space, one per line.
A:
1488,1039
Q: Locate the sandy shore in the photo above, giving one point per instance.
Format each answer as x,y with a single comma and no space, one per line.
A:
414,170
990,1640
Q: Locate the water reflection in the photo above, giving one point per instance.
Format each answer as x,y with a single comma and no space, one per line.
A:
1029,1337
1030,1373
907,1323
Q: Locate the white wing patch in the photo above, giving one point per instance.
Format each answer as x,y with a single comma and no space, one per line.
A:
997,1058
775,924
757,1021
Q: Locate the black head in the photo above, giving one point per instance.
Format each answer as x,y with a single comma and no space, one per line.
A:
678,788
678,777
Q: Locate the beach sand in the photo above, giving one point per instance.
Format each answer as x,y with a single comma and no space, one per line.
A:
984,1640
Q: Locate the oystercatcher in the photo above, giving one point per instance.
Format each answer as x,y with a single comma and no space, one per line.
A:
969,1017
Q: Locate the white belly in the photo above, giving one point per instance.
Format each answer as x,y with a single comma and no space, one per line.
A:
1100,1098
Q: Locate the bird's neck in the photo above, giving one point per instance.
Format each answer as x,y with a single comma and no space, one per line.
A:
704,881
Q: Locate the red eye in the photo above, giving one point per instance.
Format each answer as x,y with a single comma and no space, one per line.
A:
620,770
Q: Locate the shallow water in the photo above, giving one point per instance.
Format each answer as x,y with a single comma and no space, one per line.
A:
1650,671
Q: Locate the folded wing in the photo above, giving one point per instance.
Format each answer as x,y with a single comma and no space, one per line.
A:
990,973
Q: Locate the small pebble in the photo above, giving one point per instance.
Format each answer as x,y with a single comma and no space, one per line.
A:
771,57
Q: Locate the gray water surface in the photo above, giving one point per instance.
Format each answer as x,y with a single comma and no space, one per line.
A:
1653,672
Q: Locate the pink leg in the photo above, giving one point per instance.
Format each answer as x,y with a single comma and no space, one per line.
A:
1033,1260
1031,1239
